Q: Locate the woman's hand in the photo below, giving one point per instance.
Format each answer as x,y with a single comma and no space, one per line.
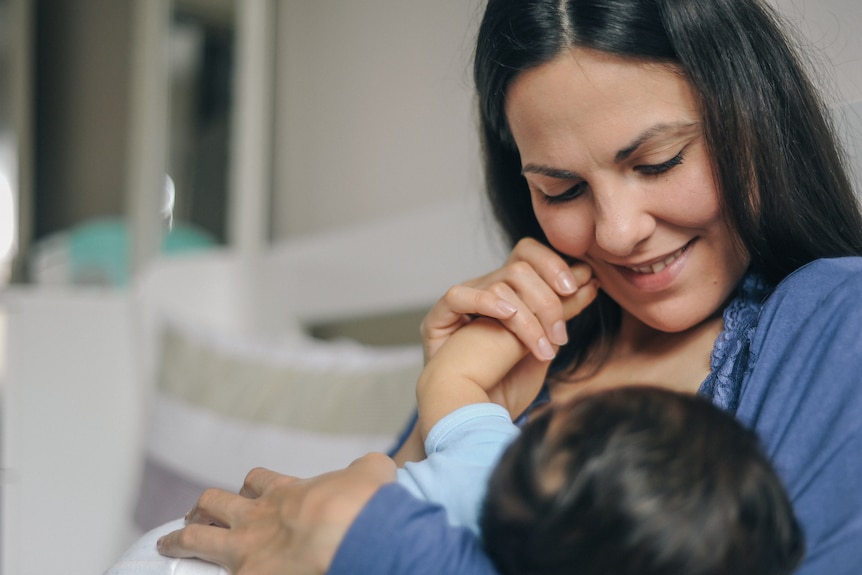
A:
484,361
279,525
524,295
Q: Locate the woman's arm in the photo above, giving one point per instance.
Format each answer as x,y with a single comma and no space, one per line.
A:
803,396
279,524
397,534
350,522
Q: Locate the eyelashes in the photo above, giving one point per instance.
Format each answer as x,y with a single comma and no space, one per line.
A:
566,196
647,170
657,169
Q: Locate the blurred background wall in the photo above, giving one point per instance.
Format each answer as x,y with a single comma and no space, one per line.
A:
371,111
81,70
374,109
370,107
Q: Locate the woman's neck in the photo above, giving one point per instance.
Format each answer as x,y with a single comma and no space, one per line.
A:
636,339
640,354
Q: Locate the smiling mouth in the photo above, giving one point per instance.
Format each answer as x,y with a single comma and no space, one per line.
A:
660,265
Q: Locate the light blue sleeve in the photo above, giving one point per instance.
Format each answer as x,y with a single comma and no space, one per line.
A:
462,450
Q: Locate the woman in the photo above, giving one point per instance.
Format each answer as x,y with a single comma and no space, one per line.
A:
677,149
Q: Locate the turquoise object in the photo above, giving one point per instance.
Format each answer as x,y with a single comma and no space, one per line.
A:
99,250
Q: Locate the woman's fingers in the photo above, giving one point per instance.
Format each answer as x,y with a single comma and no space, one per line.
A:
461,300
577,302
553,270
540,322
538,319
525,295
280,524
260,480
215,507
206,542
582,273
456,308
538,299
498,301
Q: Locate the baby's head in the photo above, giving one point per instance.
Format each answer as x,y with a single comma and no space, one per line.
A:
638,480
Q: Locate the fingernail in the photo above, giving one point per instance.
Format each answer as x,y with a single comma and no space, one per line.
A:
506,308
559,334
546,349
566,283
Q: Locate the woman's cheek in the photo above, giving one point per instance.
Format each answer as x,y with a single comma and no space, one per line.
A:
568,231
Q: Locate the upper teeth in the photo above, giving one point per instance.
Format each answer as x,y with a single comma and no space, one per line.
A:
660,265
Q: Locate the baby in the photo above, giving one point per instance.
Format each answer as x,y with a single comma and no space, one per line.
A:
631,480
638,480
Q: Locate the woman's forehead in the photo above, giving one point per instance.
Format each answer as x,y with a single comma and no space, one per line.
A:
596,98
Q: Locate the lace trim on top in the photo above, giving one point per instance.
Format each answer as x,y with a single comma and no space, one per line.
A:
730,359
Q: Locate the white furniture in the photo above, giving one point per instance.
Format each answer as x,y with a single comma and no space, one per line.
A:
80,363
71,430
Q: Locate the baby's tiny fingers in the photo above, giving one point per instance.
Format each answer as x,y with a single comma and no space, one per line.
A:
465,300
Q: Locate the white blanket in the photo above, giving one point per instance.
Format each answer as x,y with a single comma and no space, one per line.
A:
143,559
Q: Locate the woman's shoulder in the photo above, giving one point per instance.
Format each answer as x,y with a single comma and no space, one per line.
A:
823,275
805,351
813,308
804,292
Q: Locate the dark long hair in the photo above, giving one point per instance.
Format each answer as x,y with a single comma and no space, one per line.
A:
784,186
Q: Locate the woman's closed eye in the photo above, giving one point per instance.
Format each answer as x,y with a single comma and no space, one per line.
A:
657,169
570,194
578,189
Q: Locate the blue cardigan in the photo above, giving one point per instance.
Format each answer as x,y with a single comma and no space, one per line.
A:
789,368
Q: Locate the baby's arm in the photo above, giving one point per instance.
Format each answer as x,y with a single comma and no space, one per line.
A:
465,369
463,431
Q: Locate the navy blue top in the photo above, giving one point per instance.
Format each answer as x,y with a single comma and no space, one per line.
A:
789,367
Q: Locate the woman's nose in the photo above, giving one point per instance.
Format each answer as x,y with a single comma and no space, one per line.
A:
622,222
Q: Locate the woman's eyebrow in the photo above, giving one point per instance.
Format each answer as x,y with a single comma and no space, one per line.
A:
657,130
550,172
674,129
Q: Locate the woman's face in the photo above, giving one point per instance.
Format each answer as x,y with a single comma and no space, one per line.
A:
620,178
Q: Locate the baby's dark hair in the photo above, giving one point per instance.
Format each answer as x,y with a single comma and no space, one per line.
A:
638,480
